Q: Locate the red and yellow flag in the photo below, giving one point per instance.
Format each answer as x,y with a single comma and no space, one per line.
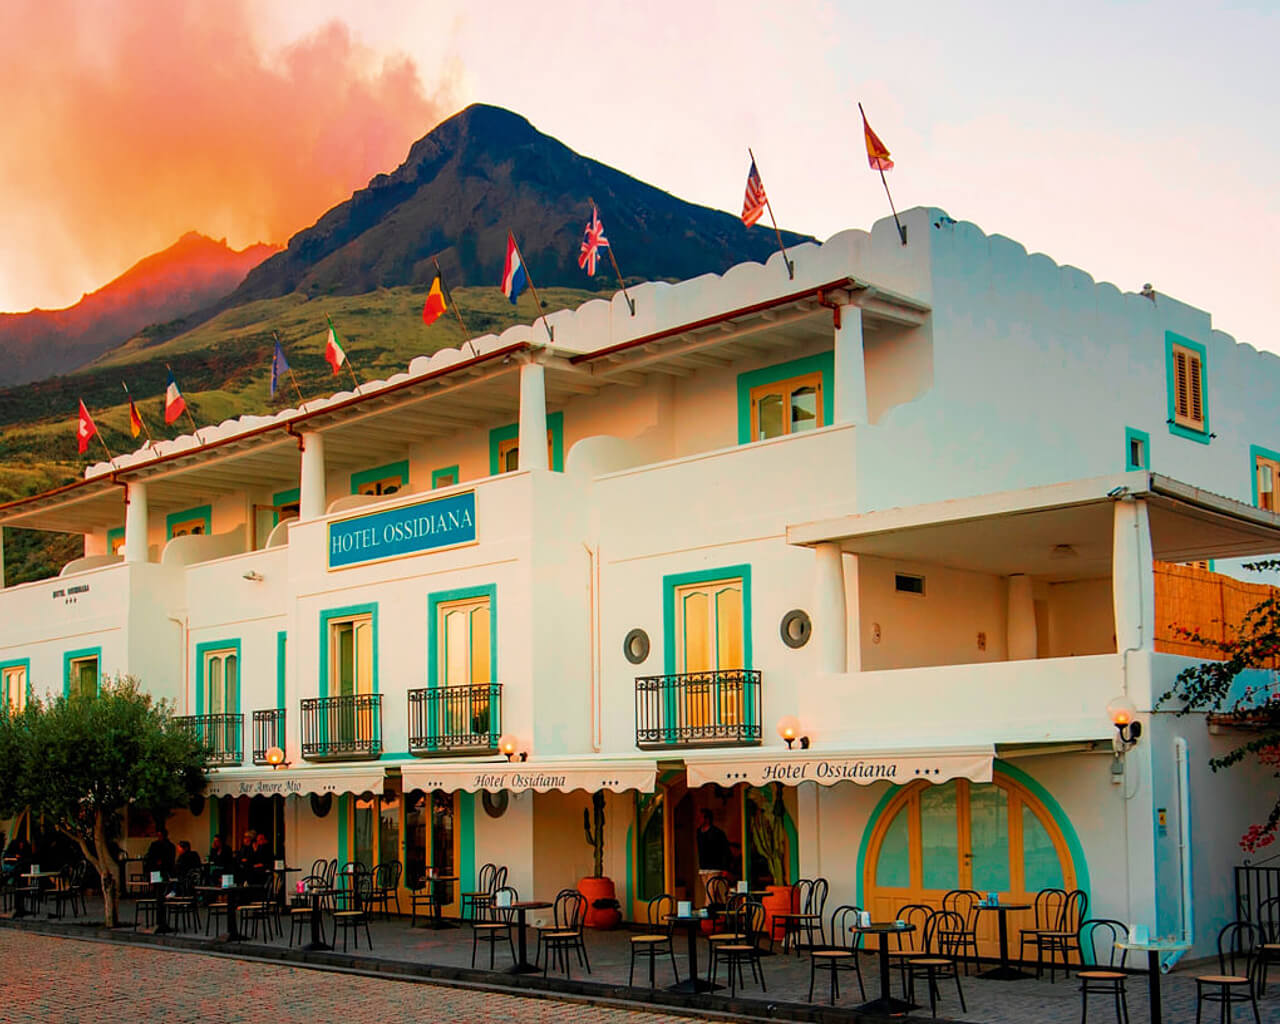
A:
135,420
877,151
435,303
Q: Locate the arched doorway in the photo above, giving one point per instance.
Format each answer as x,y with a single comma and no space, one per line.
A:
1001,836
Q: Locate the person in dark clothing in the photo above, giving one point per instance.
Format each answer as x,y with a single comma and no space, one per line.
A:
188,859
260,860
161,854
714,855
221,860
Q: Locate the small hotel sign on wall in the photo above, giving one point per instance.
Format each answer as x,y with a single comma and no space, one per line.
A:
407,530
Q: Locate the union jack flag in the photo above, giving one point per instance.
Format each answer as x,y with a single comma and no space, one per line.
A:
593,241
754,202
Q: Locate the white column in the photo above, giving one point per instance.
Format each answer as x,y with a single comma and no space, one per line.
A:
135,523
1020,630
1132,576
533,417
850,368
311,488
830,617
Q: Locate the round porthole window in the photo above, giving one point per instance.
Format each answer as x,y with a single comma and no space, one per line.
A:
795,628
495,804
636,646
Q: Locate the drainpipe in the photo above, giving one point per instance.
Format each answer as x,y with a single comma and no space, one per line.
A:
186,666
1184,849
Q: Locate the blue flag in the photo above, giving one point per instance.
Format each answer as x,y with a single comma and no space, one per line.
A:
279,366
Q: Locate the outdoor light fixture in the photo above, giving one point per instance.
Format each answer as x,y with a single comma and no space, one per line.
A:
507,747
253,576
1124,716
275,758
789,730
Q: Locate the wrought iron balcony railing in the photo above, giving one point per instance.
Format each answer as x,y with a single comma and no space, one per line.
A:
268,732
446,720
696,709
346,728
222,734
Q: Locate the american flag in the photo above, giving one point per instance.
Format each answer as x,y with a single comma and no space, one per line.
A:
593,241
754,201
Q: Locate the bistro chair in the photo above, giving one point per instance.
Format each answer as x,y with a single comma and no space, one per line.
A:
386,887
422,894
965,943
791,921
1269,951
729,924
943,935
499,925
1107,975
841,954
565,936
909,943
1066,937
1046,909
1238,945
144,909
735,954
354,914
331,873
70,891
717,899
301,912
317,867
265,910
658,939
482,893
184,907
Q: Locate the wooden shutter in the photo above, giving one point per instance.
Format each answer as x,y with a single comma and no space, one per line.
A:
1188,388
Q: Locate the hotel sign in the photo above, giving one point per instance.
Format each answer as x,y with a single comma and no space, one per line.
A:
405,530
790,770
496,776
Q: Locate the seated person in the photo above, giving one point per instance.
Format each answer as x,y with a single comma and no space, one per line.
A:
221,860
161,854
188,859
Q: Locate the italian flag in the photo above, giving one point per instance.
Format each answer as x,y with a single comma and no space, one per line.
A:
333,353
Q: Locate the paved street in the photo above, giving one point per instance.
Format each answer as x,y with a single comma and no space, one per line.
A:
75,982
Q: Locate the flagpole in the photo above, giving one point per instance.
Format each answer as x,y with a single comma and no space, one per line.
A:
301,402
791,267
448,297
902,232
609,249
98,434
529,274
146,429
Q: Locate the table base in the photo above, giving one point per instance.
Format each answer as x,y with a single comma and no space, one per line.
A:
1003,973
886,1005
439,924
524,968
692,986
316,947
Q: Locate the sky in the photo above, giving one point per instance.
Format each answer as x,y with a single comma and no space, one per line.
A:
1136,141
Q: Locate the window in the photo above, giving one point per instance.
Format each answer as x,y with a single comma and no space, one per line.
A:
1266,478
709,639
389,479
786,407
463,653
221,681
509,453
906,583
1137,449
1187,388
351,655
445,477
82,674
13,685
115,541
463,628
504,451
189,522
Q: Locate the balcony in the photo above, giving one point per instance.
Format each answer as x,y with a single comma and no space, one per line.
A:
698,709
268,732
346,728
223,735
447,720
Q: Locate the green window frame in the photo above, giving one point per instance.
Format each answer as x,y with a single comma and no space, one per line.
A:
1133,435
391,469
114,535
1172,341
331,615
672,583
444,471
1256,452
555,425
823,363
69,658
434,601
231,646
202,512
6,698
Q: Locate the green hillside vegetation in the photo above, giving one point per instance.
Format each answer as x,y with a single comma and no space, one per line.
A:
224,369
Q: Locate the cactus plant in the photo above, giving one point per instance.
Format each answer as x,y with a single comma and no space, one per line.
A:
593,826
769,833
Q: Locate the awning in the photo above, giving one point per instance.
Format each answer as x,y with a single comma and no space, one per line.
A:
794,767
297,782
541,777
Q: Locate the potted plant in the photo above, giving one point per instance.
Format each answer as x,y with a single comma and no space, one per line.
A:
769,840
603,910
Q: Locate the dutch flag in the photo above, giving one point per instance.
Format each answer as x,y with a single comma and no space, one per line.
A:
174,404
514,278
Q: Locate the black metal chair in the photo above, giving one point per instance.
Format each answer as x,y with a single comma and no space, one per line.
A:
1104,974
351,912
1046,909
795,918
70,891
657,941
499,925
940,960
736,954
1269,951
841,954
1066,936
565,936
965,903
1238,946
422,896
910,943
482,893
302,911
386,887
264,911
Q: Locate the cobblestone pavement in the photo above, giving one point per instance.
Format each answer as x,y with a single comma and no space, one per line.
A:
68,981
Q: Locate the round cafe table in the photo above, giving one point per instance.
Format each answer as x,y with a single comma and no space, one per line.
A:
522,965
437,921
885,1003
1153,951
233,893
1006,971
692,924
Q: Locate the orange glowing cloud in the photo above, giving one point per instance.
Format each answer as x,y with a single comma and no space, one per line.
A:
127,124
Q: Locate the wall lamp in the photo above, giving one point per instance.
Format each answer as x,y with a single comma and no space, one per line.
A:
507,747
1124,716
789,730
253,576
275,758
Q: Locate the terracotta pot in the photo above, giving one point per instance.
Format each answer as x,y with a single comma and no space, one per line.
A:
777,901
599,889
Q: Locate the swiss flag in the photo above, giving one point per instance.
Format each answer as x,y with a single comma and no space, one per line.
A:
86,430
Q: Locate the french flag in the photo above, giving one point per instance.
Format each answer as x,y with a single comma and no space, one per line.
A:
514,278
174,404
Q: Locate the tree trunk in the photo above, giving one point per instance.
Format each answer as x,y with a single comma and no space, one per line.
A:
99,856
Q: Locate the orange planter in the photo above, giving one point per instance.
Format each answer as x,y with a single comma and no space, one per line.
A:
777,901
599,889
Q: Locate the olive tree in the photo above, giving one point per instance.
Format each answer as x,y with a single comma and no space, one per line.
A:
80,761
